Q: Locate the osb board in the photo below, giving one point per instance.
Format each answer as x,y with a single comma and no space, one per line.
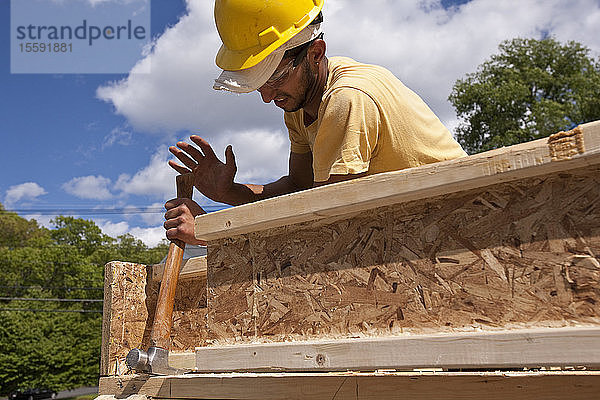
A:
130,302
520,254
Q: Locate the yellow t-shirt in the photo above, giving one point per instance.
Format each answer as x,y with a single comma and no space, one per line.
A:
369,122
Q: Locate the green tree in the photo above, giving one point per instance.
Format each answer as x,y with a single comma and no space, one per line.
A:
16,231
531,89
128,248
56,344
79,233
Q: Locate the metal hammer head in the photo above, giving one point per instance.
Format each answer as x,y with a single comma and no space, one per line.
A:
155,361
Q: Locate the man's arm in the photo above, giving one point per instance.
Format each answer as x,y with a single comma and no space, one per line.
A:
215,179
339,178
300,177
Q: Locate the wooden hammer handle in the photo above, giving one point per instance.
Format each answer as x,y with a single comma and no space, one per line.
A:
160,335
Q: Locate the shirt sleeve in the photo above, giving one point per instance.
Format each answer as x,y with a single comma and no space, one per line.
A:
298,143
347,135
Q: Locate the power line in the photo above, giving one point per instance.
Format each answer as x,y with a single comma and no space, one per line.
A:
42,310
98,211
52,300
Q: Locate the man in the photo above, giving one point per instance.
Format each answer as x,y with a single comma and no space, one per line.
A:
345,120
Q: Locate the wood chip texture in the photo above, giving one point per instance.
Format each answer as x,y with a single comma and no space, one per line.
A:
519,254
132,297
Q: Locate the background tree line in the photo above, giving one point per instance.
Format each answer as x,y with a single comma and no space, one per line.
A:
57,346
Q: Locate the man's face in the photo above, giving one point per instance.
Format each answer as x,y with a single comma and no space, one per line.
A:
289,86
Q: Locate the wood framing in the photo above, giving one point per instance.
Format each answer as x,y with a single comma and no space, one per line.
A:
543,385
563,151
491,261
130,293
566,347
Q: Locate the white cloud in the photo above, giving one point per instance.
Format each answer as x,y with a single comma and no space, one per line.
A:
24,191
177,94
261,155
95,3
119,135
157,179
89,187
150,236
154,218
42,220
429,48
426,46
113,229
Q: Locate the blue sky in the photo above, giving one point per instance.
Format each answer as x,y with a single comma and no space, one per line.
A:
55,128
99,141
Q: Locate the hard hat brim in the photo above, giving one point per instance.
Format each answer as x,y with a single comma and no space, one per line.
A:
249,79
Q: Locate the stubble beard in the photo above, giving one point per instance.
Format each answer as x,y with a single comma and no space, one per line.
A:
307,81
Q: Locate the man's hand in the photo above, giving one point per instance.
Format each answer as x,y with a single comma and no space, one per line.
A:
180,220
212,178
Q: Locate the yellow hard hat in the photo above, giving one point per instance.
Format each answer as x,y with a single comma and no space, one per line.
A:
253,29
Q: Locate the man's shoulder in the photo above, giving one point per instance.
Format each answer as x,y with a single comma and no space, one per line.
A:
344,67
346,73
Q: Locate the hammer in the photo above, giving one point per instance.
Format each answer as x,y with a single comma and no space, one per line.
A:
156,359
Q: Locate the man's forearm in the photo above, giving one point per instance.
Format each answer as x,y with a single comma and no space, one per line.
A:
242,193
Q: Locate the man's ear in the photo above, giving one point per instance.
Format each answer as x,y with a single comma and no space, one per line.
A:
316,52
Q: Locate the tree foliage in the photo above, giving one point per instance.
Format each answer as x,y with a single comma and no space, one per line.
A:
16,231
56,350
529,90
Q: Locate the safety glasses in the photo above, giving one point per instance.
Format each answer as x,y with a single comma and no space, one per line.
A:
296,56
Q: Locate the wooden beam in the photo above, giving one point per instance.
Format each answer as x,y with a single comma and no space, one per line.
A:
192,268
563,151
562,347
106,320
183,360
547,385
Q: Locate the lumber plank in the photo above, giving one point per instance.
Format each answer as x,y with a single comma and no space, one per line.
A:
547,385
183,360
192,268
106,320
563,151
505,349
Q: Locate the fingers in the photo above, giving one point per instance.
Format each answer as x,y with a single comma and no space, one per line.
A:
191,151
182,206
174,203
178,168
179,234
229,156
190,156
172,234
179,223
183,157
204,146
